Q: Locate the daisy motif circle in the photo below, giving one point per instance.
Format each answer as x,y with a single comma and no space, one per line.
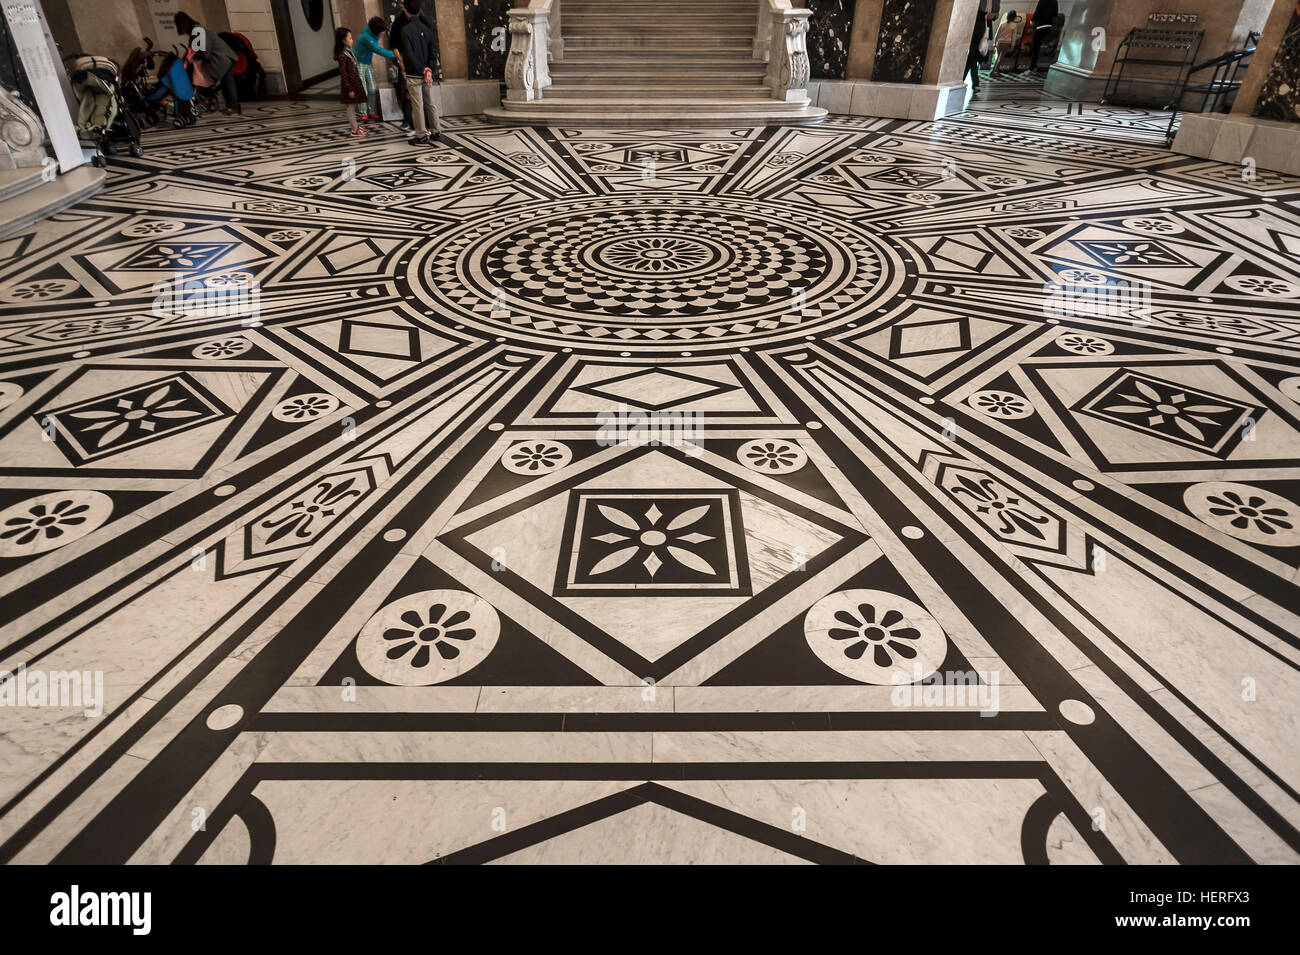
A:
1000,404
772,456
427,638
1251,514
875,637
536,457
305,407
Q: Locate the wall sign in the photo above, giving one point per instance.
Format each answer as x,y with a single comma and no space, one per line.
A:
31,38
163,13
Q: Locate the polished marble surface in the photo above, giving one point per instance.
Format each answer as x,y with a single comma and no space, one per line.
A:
380,567
829,29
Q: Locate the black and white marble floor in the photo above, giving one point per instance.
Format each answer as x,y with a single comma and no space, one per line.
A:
383,569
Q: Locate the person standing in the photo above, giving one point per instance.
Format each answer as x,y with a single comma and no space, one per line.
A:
217,58
351,91
1044,15
364,49
419,48
1008,35
986,17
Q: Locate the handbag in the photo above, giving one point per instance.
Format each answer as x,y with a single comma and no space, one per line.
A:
984,41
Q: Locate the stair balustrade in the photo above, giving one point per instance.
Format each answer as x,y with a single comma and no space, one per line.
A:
528,64
786,30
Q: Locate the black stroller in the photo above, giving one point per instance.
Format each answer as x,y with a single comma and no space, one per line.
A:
103,121
250,78
135,86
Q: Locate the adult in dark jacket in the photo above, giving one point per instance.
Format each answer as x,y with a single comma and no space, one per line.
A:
986,21
418,43
215,54
1044,15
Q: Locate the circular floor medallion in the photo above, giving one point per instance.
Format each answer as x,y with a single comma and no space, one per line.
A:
305,407
536,457
222,348
772,456
1082,344
875,637
649,272
428,637
1001,404
1247,513
10,391
49,521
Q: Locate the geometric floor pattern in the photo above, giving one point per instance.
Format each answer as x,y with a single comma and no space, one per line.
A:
879,491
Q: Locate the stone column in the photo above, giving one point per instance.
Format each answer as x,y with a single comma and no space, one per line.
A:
906,59
950,36
451,39
862,39
1274,70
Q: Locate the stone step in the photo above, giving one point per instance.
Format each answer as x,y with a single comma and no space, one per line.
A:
598,113
677,24
702,44
737,104
658,93
712,32
636,81
647,59
627,8
14,182
652,11
33,204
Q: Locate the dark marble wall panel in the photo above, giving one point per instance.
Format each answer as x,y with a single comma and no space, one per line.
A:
486,22
904,39
828,37
1279,98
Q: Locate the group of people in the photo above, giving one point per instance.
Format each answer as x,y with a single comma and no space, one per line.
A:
413,52
208,59
998,42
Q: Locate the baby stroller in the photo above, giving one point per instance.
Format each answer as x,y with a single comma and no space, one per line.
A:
250,78
134,86
174,82
103,120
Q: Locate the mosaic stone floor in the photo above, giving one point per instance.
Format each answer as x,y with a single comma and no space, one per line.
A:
387,572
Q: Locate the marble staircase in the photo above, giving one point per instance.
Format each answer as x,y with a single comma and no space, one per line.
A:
657,62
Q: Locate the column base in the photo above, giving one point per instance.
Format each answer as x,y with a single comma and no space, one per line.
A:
888,100
1231,138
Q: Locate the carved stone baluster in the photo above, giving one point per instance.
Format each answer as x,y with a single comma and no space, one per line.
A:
527,70
787,68
21,133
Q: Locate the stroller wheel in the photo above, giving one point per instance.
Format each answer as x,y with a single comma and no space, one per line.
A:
109,149
179,123
137,150
99,159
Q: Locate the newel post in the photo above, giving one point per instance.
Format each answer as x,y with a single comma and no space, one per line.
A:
527,73
787,66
